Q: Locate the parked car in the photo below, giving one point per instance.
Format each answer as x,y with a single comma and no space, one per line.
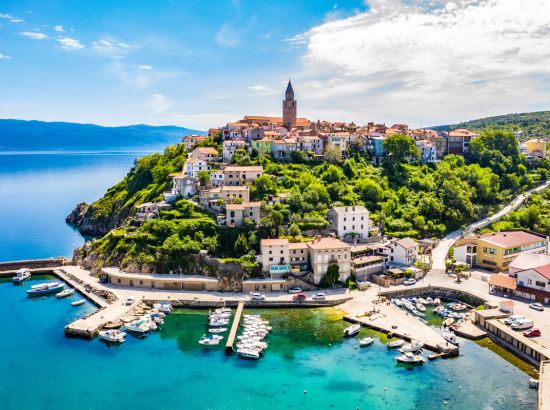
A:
300,297
295,289
408,282
130,301
512,318
319,296
532,333
257,296
522,324
537,306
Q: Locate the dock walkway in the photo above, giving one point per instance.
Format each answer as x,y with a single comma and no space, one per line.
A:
80,288
234,328
90,326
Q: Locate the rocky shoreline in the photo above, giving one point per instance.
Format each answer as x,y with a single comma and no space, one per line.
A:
88,223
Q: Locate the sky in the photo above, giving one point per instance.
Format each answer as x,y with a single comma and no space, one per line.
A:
200,64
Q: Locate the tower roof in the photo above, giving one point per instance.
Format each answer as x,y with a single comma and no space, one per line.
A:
289,93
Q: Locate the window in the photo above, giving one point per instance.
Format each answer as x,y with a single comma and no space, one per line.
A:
529,282
540,284
270,259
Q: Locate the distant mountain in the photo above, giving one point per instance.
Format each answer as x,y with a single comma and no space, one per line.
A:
533,124
19,135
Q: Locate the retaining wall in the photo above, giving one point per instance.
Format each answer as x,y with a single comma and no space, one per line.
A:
435,291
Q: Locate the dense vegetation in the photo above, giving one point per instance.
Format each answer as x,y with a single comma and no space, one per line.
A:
533,124
405,199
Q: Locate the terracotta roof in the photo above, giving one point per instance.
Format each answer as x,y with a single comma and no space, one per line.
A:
297,245
206,150
503,281
507,239
238,168
407,243
328,243
352,209
272,242
195,137
544,271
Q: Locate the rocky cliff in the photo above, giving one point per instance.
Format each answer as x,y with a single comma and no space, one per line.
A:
90,222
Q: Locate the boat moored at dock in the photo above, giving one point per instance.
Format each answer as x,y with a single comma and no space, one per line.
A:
64,293
112,335
78,302
352,330
410,358
21,275
47,288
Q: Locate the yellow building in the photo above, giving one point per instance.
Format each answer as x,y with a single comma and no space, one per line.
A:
497,250
537,147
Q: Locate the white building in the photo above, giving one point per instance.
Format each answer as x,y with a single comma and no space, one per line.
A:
208,154
230,147
275,256
350,222
401,251
534,283
185,185
194,165
240,175
217,177
235,213
324,252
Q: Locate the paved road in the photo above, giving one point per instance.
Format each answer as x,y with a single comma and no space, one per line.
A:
439,253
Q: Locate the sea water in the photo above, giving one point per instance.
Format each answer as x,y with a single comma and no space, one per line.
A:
308,364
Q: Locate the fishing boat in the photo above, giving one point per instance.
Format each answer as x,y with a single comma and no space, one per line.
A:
396,343
420,307
352,330
21,275
45,289
210,340
248,354
78,302
367,341
64,293
448,322
410,358
451,338
218,330
414,346
138,327
112,335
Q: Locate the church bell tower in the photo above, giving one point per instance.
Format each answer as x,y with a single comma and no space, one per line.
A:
289,108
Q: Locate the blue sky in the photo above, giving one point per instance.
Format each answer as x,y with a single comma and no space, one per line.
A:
203,63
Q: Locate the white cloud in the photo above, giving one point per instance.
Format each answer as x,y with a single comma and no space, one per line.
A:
261,89
17,20
34,35
436,60
108,47
226,37
145,67
137,77
69,43
11,18
103,45
59,29
124,45
159,103
4,57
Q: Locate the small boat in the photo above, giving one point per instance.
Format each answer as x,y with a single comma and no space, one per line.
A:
137,326
397,302
45,289
210,340
367,341
352,330
429,301
414,346
78,302
448,322
420,307
64,293
165,307
396,343
423,301
21,275
112,335
451,338
410,358
248,354
437,301
218,330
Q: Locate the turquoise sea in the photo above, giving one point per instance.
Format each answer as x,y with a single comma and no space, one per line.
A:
42,369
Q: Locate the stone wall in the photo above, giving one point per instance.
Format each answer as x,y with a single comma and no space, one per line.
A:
435,291
33,264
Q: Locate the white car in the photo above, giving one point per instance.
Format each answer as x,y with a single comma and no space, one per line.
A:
257,296
319,296
295,289
537,306
513,318
130,301
408,282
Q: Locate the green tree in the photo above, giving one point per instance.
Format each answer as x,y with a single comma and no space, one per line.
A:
294,230
399,147
333,154
241,245
263,186
204,177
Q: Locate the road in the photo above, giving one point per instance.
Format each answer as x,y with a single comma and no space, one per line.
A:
439,253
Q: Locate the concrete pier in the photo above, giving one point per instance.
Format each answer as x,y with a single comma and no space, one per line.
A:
90,326
544,386
234,328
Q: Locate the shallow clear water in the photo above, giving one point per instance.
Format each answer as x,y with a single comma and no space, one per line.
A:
42,369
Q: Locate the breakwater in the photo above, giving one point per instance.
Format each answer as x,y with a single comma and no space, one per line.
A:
436,291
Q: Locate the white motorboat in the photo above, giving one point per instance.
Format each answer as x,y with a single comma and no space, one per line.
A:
451,338
78,302
112,335
397,302
218,330
210,340
423,301
137,326
352,330
437,301
164,307
248,354
410,358
414,346
367,341
21,275
429,301
420,307
396,343
64,293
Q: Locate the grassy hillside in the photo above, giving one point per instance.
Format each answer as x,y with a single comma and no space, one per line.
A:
533,124
18,135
